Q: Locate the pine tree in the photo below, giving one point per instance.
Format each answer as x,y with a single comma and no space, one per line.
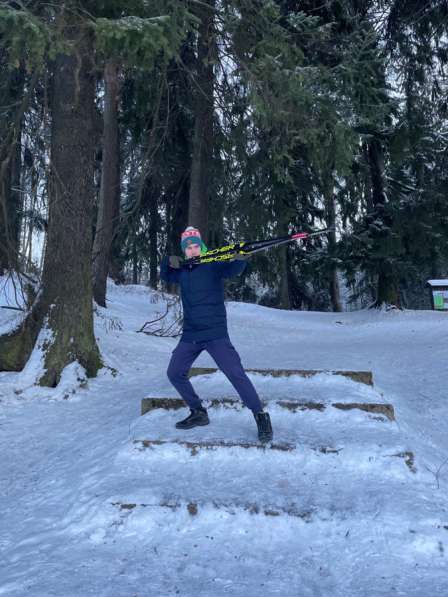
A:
62,310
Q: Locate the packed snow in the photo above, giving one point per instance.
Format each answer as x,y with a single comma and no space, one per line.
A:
99,500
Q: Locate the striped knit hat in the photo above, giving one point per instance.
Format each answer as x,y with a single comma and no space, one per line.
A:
192,236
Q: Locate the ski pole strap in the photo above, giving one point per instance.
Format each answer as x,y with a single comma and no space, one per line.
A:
228,252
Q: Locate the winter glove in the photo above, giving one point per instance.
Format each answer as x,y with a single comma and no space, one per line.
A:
241,257
175,262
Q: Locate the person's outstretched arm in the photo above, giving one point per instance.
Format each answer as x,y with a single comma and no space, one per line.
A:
168,273
231,268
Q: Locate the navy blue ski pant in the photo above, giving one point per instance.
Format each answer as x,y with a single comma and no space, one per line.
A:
228,360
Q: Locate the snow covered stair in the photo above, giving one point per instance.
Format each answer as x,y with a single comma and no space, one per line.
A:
234,428
310,470
322,449
291,389
365,377
340,435
194,508
378,409
232,425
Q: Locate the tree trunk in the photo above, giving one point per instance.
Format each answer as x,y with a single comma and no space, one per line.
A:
153,228
179,191
177,211
330,212
282,217
109,199
198,212
387,282
63,307
10,167
387,287
134,260
149,191
285,298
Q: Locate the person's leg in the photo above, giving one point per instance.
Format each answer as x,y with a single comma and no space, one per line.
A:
182,358
228,360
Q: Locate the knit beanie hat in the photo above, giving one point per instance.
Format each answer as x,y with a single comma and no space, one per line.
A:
192,236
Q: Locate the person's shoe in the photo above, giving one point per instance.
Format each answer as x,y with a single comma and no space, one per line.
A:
197,416
264,426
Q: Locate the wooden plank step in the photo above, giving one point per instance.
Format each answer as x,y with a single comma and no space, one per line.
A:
196,446
194,507
387,410
365,377
213,445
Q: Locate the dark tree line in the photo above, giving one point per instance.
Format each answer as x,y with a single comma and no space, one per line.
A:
123,122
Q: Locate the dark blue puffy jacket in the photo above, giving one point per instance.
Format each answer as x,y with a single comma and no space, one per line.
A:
202,293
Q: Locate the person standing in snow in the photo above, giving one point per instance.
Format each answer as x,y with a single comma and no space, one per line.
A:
205,328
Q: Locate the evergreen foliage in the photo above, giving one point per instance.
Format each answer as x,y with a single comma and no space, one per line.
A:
325,113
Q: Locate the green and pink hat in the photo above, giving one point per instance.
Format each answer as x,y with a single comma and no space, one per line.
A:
192,236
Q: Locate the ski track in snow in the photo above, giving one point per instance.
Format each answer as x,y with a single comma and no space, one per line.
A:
81,499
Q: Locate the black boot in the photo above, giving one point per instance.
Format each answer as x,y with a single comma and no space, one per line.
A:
197,416
264,426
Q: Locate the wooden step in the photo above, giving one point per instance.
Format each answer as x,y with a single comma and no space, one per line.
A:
365,377
196,446
387,410
194,508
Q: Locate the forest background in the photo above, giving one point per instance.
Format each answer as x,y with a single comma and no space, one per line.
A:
122,122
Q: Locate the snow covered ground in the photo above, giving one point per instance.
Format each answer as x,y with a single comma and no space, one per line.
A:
352,505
